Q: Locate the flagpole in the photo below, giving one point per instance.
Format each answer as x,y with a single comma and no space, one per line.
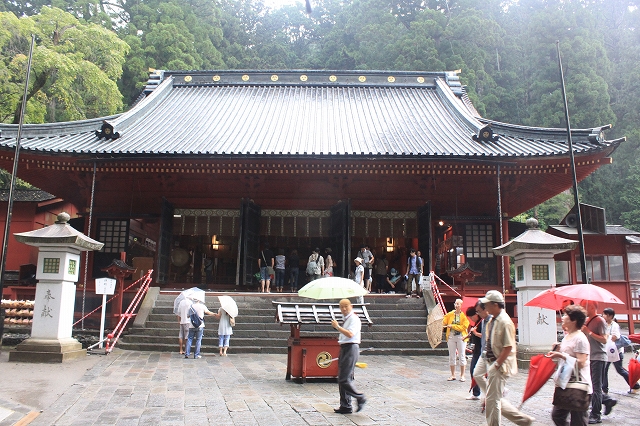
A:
7,225
576,199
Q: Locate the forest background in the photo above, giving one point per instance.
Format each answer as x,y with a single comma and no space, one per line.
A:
93,58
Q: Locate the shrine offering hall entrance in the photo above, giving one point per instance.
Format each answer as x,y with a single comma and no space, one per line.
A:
212,247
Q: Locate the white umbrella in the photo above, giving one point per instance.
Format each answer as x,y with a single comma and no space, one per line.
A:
191,293
332,288
229,305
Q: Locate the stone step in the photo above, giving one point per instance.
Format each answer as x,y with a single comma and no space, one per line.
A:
398,325
282,334
212,350
258,327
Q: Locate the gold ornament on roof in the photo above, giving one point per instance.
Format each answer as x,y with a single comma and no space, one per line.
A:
391,79
216,78
420,79
333,78
245,77
362,79
188,78
303,77
274,77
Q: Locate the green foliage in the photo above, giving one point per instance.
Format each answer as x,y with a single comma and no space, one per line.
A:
505,49
74,71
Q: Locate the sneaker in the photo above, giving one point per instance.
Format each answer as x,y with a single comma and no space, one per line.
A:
473,398
608,405
186,356
594,420
197,357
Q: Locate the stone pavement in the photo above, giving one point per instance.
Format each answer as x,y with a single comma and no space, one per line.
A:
150,388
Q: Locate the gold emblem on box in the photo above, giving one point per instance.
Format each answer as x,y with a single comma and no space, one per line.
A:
245,77
324,359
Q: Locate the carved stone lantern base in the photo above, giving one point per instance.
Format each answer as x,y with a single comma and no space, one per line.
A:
47,350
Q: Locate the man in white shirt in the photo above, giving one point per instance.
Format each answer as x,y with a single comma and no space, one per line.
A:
183,319
200,310
349,340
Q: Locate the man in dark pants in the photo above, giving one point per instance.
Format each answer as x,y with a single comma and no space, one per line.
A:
595,329
475,337
349,340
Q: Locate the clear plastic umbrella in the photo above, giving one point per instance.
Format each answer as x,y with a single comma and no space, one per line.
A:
192,293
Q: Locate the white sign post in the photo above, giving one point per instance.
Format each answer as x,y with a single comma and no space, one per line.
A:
104,286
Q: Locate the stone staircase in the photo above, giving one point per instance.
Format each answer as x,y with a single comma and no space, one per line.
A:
398,326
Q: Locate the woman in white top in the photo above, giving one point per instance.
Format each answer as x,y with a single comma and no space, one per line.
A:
575,344
613,330
328,263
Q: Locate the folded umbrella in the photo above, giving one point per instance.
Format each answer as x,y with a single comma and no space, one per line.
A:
634,371
540,370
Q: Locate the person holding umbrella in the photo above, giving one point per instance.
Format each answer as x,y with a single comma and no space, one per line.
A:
226,314
596,330
575,344
225,330
349,340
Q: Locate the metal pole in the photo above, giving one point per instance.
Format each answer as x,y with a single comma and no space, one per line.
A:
576,198
7,225
502,260
86,253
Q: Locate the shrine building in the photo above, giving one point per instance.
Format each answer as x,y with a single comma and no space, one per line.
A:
209,166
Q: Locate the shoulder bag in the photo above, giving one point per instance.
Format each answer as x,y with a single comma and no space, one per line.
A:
270,269
575,397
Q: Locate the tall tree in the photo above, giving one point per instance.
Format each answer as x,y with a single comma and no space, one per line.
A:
74,72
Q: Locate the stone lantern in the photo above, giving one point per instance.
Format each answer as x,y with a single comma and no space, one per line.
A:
533,251
57,273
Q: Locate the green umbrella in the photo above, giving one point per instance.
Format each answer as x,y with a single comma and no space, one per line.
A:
332,288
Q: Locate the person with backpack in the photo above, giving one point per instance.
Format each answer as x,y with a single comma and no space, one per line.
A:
197,311
315,265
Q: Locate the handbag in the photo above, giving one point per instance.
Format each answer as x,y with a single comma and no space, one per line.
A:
270,270
574,397
232,321
612,351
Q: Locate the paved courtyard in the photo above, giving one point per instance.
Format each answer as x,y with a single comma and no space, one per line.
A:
146,388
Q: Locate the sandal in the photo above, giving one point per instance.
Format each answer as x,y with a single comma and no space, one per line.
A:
462,379
451,379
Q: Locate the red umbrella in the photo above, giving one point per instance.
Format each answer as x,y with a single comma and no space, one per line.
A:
540,370
468,302
635,338
552,298
634,371
546,299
